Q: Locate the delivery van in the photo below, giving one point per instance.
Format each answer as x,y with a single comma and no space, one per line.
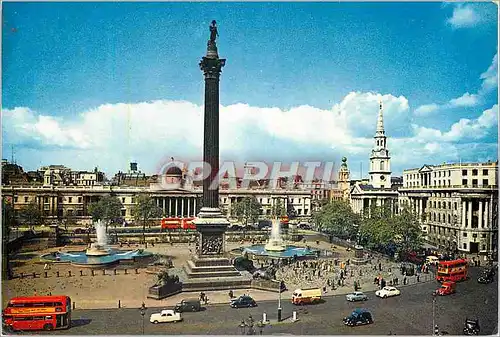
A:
432,260
306,296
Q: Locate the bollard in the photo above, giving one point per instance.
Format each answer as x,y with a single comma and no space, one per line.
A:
69,273
136,271
104,271
294,317
74,305
264,317
119,304
34,275
45,274
57,273
126,272
81,272
114,271
92,272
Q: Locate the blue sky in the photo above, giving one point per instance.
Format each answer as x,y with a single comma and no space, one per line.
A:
88,84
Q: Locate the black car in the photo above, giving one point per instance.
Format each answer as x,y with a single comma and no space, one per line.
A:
358,317
485,279
471,327
243,301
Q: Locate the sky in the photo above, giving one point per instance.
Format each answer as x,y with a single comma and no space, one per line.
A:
89,84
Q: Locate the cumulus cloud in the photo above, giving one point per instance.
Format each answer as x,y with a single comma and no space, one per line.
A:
464,16
111,135
466,100
426,109
490,76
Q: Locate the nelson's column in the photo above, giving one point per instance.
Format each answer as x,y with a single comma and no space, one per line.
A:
209,269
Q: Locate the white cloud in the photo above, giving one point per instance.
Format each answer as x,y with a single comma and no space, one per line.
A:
426,109
463,129
111,135
464,16
490,76
466,100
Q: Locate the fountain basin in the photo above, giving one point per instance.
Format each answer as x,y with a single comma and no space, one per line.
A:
289,251
275,246
111,256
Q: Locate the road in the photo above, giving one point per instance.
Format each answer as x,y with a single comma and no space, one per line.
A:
408,314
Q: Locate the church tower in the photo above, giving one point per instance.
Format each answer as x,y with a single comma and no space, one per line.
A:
344,181
380,161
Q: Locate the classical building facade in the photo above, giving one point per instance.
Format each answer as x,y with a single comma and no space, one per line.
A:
457,204
379,191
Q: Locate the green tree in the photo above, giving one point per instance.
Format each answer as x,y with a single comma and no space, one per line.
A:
30,215
8,222
247,210
108,209
144,210
337,218
278,209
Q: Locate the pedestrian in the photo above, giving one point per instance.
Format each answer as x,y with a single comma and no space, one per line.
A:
404,280
418,278
380,266
230,294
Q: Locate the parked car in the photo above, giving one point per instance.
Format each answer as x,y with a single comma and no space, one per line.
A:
485,279
189,304
471,327
387,292
165,316
358,317
243,301
356,296
447,288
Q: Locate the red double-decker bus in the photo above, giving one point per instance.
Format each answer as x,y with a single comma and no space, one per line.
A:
38,313
454,270
178,223
284,220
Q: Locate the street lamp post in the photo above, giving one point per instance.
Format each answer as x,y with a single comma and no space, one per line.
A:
143,312
434,327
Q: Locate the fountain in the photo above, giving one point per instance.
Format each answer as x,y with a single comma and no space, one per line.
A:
275,243
99,248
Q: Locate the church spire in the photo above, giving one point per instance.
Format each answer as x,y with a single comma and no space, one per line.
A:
380,120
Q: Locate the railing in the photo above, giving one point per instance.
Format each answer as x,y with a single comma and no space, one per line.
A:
487,187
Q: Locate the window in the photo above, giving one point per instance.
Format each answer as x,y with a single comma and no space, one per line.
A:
133,200
455,206
46,200
439,204
484,247
474,235
485,172
449,220
123,200
465,235
474,172
79,200
483,236
464,182
124,212
70,199
449,173
464,245
15,199
464,172
474,182
485,182
26,199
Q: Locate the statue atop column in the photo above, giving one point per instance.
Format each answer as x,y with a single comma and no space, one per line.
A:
213,31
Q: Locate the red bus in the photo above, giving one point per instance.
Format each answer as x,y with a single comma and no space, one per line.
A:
284,220
38,313
178,223
455,270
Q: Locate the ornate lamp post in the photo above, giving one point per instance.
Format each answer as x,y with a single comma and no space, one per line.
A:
143,312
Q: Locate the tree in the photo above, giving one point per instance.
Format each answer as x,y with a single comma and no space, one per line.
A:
108,209
144,210
337,218
248,209
30,214
8,221
278,209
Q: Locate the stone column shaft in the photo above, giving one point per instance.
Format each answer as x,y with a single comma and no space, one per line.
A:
469,215
480,215
464,214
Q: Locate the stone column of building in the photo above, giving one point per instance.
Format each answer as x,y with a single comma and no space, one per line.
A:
480,215
486,214
189,207
469,215
464,214
194,206
164,204
182,207
421,207
170,206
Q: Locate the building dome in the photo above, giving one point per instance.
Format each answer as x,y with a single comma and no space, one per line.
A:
174,171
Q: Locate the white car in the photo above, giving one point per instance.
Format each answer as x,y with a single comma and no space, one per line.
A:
165,316
387,292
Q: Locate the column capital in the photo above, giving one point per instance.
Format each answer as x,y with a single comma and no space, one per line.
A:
212,67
